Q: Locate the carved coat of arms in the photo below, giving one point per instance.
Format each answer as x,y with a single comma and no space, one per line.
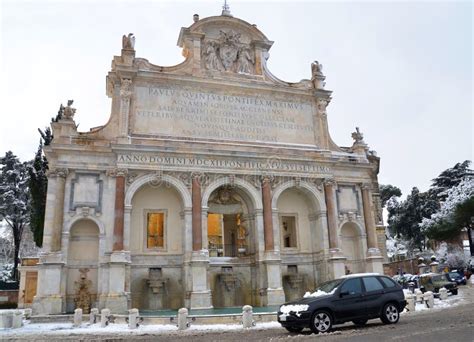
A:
228,54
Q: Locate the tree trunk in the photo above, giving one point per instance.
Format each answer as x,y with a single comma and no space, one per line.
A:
17,233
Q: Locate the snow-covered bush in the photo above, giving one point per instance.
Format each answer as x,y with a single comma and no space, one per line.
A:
6,272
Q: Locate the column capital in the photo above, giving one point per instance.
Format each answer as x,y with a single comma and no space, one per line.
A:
58,172
266,179
118,172
365,186
329,182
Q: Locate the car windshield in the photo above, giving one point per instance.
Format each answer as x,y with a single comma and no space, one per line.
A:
454,274
329,286
438,278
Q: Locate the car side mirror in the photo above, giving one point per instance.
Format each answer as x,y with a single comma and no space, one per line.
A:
343,293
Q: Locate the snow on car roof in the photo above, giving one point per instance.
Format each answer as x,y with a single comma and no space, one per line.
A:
359,275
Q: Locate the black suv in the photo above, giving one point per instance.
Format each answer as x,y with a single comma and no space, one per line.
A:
356,298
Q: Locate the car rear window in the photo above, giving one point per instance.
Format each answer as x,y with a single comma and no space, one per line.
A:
372,284
387,282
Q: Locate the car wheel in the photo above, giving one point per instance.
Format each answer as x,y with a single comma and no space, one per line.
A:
360,322
294,329
390,314
454,292
321,322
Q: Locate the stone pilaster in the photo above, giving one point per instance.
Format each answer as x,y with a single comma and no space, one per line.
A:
126,91
116,299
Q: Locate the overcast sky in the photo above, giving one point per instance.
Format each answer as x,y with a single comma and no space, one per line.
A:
401,71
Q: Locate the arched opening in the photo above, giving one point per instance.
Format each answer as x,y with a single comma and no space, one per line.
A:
231,240
228,223
351,243
82,263
156,237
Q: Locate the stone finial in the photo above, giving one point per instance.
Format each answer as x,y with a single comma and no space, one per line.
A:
226,9
357,136
69,112
128,42
196,18
359,146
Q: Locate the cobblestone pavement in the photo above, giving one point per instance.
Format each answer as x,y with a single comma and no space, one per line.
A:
451,324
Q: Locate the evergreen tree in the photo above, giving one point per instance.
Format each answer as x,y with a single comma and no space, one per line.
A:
448,179
38,184
405,217
14,196
387,192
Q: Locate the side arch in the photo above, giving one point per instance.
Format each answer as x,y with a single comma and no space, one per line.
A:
313,194
167,179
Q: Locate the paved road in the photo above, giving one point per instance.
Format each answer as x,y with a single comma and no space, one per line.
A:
454,324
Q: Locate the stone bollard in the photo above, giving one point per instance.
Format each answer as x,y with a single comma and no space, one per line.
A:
17,321
443,293
132,318
419,295
77,317
182,319
27,313
429,299
6,319
410,302
104,318
93,316
247,316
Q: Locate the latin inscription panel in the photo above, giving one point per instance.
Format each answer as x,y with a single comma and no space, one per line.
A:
184,112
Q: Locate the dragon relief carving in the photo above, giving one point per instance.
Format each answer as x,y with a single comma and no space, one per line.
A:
228,54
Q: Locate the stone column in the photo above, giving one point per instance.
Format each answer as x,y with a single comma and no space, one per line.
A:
331,213
336,257
374,259
267,214
369,219
197,217
57,230
119,208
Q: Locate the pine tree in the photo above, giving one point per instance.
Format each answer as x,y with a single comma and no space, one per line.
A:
14,196
387,192
405,217
448,179
38,184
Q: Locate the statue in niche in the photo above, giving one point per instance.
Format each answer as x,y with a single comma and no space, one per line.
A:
128,42
244,60
211,58
68,111
82,298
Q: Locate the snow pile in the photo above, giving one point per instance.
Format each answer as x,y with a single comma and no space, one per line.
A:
286,309
318,293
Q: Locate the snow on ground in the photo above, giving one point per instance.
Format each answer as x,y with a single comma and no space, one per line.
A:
452,300
122,329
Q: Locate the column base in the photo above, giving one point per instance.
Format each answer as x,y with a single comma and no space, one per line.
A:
374,264
201,300
275,296
48,305
116,302
336,263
